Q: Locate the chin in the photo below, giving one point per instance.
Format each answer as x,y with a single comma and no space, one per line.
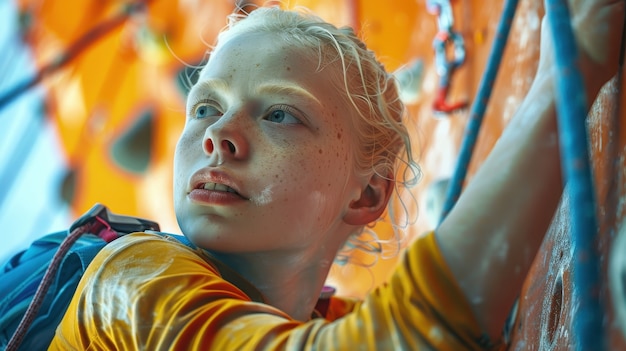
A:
208,237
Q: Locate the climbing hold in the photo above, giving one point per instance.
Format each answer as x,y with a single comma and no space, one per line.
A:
68,186
435,198
409,79
132,149
617,277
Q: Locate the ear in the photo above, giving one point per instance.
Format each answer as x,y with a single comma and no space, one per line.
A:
372,203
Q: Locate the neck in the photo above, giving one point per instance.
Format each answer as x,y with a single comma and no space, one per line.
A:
289,282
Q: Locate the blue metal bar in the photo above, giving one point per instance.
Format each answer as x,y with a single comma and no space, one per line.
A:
572,110
479,106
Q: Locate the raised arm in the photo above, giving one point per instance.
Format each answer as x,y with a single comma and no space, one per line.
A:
491,236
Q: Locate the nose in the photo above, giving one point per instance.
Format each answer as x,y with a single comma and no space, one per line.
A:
225,140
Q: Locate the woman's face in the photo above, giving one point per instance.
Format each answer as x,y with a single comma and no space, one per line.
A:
265,161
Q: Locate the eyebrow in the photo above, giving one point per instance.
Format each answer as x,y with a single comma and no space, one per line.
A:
271,87
285,88
209,84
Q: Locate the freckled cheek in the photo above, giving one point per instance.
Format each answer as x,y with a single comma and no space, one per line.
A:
329,164
291,170
338,153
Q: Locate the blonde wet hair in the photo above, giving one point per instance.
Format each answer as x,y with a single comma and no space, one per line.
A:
383,144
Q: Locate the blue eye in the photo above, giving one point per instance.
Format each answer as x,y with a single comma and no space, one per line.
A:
203,110
282,116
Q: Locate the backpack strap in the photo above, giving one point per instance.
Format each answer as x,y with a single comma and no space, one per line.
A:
99,221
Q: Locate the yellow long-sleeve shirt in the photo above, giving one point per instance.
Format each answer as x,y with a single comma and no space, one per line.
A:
145,292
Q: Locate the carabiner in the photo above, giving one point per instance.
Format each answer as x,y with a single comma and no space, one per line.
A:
446,66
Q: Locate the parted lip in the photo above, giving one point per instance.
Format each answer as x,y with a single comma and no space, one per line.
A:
206,175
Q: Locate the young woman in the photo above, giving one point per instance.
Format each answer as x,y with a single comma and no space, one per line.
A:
291,143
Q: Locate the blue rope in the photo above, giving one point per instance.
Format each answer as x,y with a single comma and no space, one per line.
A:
571,107
479,106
